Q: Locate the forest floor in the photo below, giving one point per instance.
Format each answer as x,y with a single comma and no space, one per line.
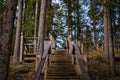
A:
99,70
21,71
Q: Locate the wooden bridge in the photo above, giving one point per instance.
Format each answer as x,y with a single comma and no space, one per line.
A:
68,64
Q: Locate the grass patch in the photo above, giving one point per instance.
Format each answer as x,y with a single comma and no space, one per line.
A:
99,70
21,71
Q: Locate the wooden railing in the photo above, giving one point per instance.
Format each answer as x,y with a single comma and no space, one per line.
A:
27,46
80,60
49,45
40,72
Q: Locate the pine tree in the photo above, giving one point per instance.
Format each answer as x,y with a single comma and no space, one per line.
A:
41,31
6,38
18,32
108,38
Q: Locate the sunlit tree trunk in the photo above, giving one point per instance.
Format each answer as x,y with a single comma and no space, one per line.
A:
6,38
108,39
106,46
41,31
35,27
18,32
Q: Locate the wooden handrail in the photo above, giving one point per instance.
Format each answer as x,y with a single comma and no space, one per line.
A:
25,47
39,74
53,43
79,59
30,38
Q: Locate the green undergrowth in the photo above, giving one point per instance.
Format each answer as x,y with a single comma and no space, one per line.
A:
99,70
21,71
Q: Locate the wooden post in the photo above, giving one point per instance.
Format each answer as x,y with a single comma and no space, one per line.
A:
35,45
82,47
53,43
84,57
21,47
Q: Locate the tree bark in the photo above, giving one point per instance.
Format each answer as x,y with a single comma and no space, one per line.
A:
36,26
108,37
41,31
47,23
18,32
78,23
95,35
69,19
106,47
6,38
111,46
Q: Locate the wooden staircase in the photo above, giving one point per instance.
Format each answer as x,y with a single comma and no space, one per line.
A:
61,67
29,58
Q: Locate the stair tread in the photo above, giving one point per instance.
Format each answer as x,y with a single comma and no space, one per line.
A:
62,79
61,67
61,74
56,72
30,54
27,58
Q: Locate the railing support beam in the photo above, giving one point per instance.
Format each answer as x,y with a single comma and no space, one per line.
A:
21,47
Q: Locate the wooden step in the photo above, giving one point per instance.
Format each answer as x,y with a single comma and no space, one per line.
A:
29,60
60,52
30,55
61,67
62,77
61,74
61,59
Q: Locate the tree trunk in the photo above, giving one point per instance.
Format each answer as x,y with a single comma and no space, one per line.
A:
47,23
111,46
106,47
78,23
41,31
6,38
95,35
36,25
18,32
69,19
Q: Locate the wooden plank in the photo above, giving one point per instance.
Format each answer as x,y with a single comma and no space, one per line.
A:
30,37
39,74
81,65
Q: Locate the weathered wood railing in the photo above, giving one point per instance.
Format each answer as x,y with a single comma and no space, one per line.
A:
27,46
49,45
80,60
40,72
